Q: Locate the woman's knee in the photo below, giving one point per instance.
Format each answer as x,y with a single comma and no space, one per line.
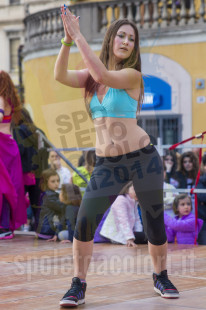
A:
89,217
157,236
85,228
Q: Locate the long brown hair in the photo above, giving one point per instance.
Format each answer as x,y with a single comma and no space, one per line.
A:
71,194
191,174
9,93
133,61
90,160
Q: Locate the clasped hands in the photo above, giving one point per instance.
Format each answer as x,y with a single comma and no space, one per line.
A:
70,23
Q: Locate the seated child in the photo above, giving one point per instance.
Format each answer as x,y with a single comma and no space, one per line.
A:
51,206
182,226
123,224
71,196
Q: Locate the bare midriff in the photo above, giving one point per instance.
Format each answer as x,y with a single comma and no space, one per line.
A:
117,136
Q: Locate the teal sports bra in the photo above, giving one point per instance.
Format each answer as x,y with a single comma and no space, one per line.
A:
116,103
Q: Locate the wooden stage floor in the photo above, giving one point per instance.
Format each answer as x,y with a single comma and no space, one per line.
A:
35,274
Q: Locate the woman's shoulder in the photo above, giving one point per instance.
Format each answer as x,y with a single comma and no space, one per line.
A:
23,130
22,133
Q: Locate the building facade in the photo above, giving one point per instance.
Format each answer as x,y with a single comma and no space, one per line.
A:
173,49
12,30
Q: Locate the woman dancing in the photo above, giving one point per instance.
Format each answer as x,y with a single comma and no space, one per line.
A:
12,197
113,94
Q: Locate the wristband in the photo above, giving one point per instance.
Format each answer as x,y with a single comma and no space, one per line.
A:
2,111
66,44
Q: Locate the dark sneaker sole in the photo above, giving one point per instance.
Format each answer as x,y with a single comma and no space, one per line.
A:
71,303
167,295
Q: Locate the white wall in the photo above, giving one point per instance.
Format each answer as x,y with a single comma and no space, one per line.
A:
11,25
181,84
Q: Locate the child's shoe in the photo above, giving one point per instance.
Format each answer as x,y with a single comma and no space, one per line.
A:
75,295
163,286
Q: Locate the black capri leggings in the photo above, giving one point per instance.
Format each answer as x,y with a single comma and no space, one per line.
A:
110,175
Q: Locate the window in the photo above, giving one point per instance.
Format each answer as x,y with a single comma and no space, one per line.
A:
170,130
167,127
14,45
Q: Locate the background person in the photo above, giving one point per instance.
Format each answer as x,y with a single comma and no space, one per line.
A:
188,169
170,163
51,206
123,224
63,172
187,172
182,227
201,198
71,196
86,170
12,197
33,161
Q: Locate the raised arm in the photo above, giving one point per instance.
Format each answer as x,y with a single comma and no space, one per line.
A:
72,78
127,78
187,224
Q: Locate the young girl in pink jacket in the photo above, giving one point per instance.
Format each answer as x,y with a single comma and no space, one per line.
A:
183,225
123,224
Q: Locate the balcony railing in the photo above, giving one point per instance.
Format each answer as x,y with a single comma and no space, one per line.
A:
44,29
